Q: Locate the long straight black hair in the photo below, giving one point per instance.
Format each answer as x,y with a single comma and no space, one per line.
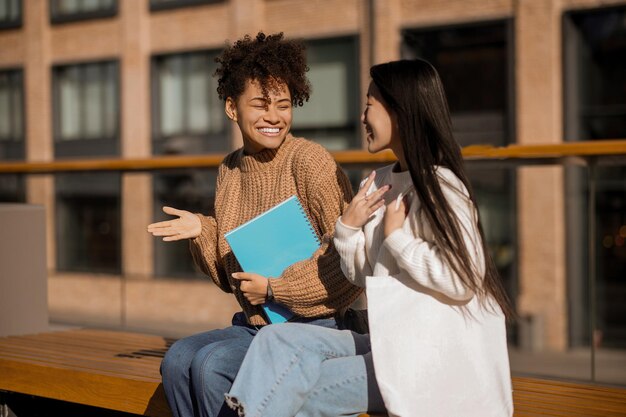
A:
413,91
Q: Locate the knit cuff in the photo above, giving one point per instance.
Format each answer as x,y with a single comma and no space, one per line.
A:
345,232
206,238
280,289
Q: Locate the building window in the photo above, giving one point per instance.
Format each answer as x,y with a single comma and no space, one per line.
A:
187,114
86,109
156,5
331,117
88,222
191,190
62,11
12,188
475,62
187,118
595,108
10,14
595,68
11,115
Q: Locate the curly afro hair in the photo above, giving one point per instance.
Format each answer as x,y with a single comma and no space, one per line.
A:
270,60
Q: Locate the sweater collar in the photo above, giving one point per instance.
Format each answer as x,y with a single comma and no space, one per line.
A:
400,181
265,158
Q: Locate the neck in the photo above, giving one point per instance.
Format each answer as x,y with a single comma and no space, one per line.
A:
397,151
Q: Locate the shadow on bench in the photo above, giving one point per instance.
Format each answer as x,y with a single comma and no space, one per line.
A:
120,371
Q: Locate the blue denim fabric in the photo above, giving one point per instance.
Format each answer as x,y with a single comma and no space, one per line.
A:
295,370
199,369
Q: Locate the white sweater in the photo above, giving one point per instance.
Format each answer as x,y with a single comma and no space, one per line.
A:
431,357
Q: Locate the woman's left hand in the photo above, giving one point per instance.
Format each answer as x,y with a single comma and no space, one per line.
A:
395,214
253,286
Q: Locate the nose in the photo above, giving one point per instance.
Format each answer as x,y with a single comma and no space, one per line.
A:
271,115
364,116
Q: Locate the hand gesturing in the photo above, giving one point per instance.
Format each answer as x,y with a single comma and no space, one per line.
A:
363,205
186,226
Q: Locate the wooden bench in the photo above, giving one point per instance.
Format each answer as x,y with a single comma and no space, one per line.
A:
120,371
112,370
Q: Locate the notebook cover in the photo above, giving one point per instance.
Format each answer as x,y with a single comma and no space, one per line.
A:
271,242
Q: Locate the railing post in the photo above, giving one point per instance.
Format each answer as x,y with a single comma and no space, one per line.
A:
591,162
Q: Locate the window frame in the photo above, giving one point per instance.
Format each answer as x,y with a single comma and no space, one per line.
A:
156,138
177,4
574,108
16,23
56,18
509,29
353,125
16,146
103,146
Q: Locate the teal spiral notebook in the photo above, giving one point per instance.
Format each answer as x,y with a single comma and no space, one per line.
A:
271,242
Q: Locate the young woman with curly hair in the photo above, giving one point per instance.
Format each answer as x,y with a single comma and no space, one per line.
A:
260,79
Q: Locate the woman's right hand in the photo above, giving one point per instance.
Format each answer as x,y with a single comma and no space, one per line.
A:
363,205
186,226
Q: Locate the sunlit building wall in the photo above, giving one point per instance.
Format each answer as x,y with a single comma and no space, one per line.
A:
133,79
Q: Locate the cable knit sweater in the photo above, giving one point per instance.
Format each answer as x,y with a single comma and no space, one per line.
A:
438,350
248,185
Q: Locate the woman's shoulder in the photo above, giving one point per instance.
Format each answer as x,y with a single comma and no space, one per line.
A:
302,147
304,154
450,181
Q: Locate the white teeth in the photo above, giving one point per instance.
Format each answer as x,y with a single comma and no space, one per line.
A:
269,130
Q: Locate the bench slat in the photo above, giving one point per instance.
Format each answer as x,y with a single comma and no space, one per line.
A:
84,387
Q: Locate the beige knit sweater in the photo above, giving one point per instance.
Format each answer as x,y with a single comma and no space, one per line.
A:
248,185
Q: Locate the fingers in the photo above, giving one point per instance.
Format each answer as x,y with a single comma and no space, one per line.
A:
166,223
377,195
370,179
242,276
172,211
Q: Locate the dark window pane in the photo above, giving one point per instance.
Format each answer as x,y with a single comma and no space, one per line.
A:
171,4
475,65
331,116
86,110
193,191
12,188
11,115
10,14
71,10
595,73
187,114
611,243
88,223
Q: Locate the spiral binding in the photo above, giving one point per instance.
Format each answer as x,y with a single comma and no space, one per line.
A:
317,239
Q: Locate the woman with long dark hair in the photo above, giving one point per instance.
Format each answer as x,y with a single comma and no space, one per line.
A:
436,305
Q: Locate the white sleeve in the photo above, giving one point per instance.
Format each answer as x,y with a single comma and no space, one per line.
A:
424,262
350,244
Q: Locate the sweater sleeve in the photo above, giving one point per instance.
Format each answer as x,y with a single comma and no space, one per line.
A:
204,252
316,286
350,244
424,262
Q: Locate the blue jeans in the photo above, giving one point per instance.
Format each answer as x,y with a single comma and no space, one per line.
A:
198,370
304,371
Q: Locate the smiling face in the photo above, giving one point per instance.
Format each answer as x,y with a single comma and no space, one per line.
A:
264,122
380,125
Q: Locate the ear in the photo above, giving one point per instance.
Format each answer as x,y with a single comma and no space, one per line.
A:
230,108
